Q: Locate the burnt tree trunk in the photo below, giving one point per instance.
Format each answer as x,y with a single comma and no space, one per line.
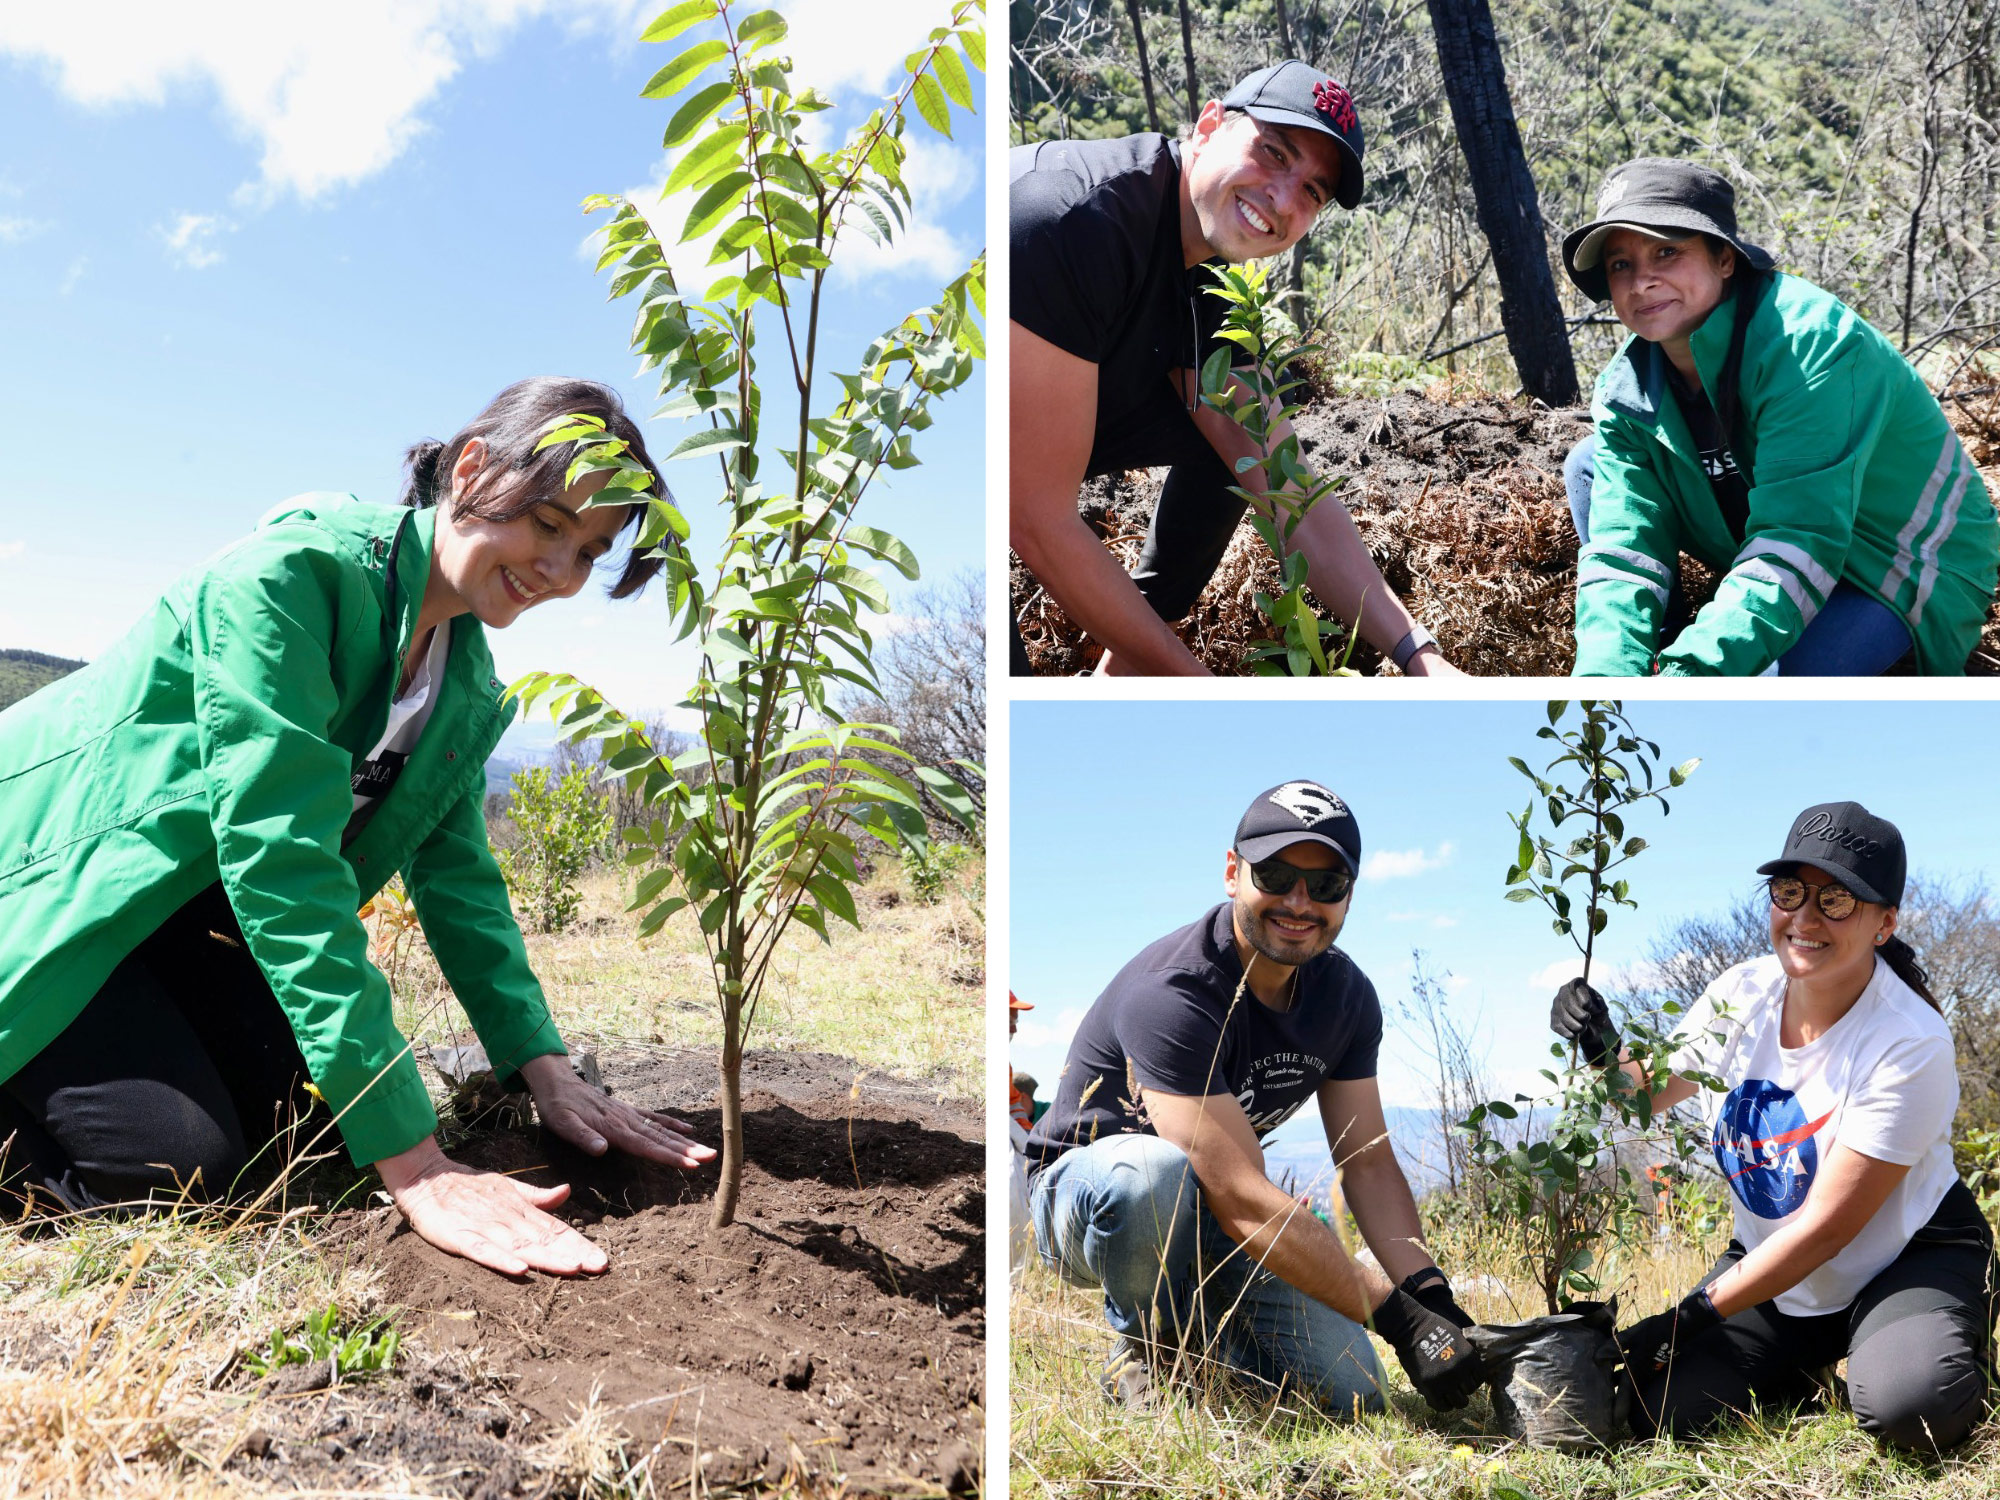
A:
1145,67
1510,215
1187,56
1284,33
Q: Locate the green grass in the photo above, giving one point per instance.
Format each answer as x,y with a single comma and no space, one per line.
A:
1068,1440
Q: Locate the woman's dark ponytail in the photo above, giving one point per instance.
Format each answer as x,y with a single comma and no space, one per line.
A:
1902,960
420,462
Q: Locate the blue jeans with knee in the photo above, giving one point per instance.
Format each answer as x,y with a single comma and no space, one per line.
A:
1125,1214
1853,635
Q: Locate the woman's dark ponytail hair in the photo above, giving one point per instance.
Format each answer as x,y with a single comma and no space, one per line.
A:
516,478
1902,961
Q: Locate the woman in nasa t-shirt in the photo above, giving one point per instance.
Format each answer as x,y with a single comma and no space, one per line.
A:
1854,1236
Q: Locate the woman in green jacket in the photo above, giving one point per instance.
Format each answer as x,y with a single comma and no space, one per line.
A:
189,824
1759,424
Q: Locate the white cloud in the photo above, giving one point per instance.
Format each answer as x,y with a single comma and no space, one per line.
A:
1438,919
327,100
73,275
1054,1032
1554,976
1455,984
12,549
191,241
1394,864
938,176
14,231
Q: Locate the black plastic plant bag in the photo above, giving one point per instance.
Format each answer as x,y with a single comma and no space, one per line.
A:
1552,1377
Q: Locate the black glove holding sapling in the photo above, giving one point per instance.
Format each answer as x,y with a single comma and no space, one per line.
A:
1579,1014
1435,1353
1429,1287
1651,1343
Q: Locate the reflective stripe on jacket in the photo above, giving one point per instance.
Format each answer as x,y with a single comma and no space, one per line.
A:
219,739
1855,476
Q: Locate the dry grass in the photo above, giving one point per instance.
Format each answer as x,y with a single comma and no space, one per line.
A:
1068,1440
121,1340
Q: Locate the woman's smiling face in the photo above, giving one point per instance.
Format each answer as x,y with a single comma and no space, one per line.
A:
497,569
1821,950
1664,289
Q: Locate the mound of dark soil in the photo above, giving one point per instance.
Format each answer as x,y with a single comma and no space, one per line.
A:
1461,504
836,1329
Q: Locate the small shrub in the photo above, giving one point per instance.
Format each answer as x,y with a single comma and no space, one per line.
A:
367,1350
928,870
562,824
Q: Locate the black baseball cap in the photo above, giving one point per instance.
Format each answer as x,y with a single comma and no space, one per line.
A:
1296,93
1298,812
1663,197
1846,839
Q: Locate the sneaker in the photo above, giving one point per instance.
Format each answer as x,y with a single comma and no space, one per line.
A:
1127,1377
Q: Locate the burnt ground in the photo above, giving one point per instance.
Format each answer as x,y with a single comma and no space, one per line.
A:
833,1336
1461,503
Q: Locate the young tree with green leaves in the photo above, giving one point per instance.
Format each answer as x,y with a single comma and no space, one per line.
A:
769,835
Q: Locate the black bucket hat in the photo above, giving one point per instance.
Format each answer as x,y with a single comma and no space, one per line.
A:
1846,839
1652,195
1296,93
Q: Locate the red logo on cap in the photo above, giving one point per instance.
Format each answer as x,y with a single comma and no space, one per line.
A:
1333,101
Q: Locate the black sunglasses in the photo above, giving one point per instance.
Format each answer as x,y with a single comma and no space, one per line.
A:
1788,893
1276,878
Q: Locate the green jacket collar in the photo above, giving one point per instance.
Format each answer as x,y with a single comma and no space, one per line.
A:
1635,382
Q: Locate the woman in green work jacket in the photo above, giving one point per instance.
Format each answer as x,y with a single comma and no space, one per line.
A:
1758,423
189,824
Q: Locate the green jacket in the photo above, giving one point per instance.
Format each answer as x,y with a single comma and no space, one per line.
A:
219,739
1854,475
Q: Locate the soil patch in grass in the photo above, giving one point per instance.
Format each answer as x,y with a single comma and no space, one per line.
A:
1461,503
837,1328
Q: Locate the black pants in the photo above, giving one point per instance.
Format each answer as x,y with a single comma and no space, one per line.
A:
1193,522
179,1070
1917,1340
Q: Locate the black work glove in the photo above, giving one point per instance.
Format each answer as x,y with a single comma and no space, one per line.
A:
1579,1014
1435,1353
1651,1343
1429,1287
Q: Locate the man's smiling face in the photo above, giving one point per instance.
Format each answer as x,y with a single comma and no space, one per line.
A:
1251,189
1291,928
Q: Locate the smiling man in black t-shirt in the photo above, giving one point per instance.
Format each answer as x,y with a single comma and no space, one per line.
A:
1148,1170
1111,245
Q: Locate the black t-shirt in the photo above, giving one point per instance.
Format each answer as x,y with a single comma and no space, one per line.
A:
1095,232
1732,490
1170,1020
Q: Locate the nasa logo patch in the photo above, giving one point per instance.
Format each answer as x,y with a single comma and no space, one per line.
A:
1764,1147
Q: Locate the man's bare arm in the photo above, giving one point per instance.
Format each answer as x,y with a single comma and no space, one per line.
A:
1377,1191
1053,411
1254,1211
1338,567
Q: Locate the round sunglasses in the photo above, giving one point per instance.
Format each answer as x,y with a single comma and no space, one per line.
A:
1276,878
1788,893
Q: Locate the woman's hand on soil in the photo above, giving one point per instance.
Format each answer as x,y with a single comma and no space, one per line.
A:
492,1220
593,1121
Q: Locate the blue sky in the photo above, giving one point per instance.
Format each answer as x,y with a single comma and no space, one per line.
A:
1121,813
244,259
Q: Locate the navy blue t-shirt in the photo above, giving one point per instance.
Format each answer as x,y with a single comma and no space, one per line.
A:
1171,1020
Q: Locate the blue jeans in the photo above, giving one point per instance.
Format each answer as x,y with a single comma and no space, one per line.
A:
1853,635
1125,1214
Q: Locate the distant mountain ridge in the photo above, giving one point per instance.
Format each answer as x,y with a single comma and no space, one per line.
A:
21,672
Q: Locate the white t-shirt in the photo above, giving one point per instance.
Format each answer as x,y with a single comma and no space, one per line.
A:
1880,1081
407,716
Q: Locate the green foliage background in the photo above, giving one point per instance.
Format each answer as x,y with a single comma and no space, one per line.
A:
21,672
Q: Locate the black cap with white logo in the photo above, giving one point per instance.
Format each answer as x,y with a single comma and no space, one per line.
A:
1846,839
1298,812
1296,93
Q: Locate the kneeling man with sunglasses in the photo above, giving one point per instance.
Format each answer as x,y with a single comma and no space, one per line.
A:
1147,1173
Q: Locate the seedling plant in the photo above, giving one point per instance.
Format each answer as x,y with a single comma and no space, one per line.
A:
1251,381
767,833
369,1349
1569,1180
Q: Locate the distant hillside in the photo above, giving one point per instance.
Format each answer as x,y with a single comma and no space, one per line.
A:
21,672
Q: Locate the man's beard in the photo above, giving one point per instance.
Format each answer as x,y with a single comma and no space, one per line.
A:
1278,950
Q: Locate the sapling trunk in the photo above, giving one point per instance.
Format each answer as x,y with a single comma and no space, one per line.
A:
732,1119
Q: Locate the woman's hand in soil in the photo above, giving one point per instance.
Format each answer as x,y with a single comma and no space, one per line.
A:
593,1121
492,1220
